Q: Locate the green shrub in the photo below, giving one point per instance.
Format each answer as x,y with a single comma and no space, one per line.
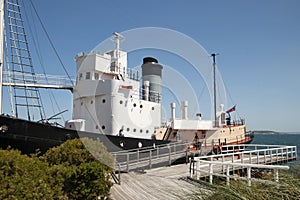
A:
84,175
22,177
68,171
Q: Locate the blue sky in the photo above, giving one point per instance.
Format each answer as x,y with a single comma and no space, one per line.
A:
258,42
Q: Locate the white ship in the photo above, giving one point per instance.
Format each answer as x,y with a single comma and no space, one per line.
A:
111,103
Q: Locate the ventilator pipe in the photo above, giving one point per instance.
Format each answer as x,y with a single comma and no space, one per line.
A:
173,106
184,106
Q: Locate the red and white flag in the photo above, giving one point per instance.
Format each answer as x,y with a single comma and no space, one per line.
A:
231,109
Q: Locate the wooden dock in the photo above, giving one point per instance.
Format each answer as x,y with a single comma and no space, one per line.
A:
171,182
159,183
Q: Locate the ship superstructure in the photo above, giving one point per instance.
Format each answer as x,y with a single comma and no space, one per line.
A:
110,98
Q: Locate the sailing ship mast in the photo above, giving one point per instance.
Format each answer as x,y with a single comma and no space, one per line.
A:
1,48
18,70
215,88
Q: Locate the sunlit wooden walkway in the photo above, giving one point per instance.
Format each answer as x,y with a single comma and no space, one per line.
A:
171,182
160,183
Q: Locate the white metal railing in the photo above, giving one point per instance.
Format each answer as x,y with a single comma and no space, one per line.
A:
248,156
40,79
249,179
146,157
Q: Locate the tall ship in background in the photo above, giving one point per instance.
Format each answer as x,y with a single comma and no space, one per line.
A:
111,103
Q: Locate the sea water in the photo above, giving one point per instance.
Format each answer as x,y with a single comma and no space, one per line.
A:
291,139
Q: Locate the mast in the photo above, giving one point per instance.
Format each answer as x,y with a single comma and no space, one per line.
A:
215,88
118,37
1,48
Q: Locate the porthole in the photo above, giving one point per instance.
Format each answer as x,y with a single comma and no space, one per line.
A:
141,130
92,101
121,102
140,145
141,106
134,105
152,108
97,126
147,131
103,127
128,129
103,101
134,130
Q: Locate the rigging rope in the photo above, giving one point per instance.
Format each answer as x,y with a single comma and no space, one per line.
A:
51,43
40,59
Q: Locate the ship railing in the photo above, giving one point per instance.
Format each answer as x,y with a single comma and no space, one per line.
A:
235,122
244,156
222,141
10,77
153,96
133,74
156,155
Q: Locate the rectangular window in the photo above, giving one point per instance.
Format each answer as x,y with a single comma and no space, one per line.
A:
96,76
80,76
88,75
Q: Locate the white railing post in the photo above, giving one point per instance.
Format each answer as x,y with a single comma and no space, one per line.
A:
210,173
257,155
138,155
227,175
276,175
249,176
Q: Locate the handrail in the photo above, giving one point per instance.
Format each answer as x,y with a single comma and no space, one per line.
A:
270,154
150,156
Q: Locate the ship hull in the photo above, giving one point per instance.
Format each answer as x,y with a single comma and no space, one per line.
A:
28,137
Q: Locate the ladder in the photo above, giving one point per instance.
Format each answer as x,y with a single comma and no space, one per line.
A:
26,99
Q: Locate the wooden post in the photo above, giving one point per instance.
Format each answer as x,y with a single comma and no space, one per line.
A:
191,175
222,163
169,155
127,167
198,169
150,157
